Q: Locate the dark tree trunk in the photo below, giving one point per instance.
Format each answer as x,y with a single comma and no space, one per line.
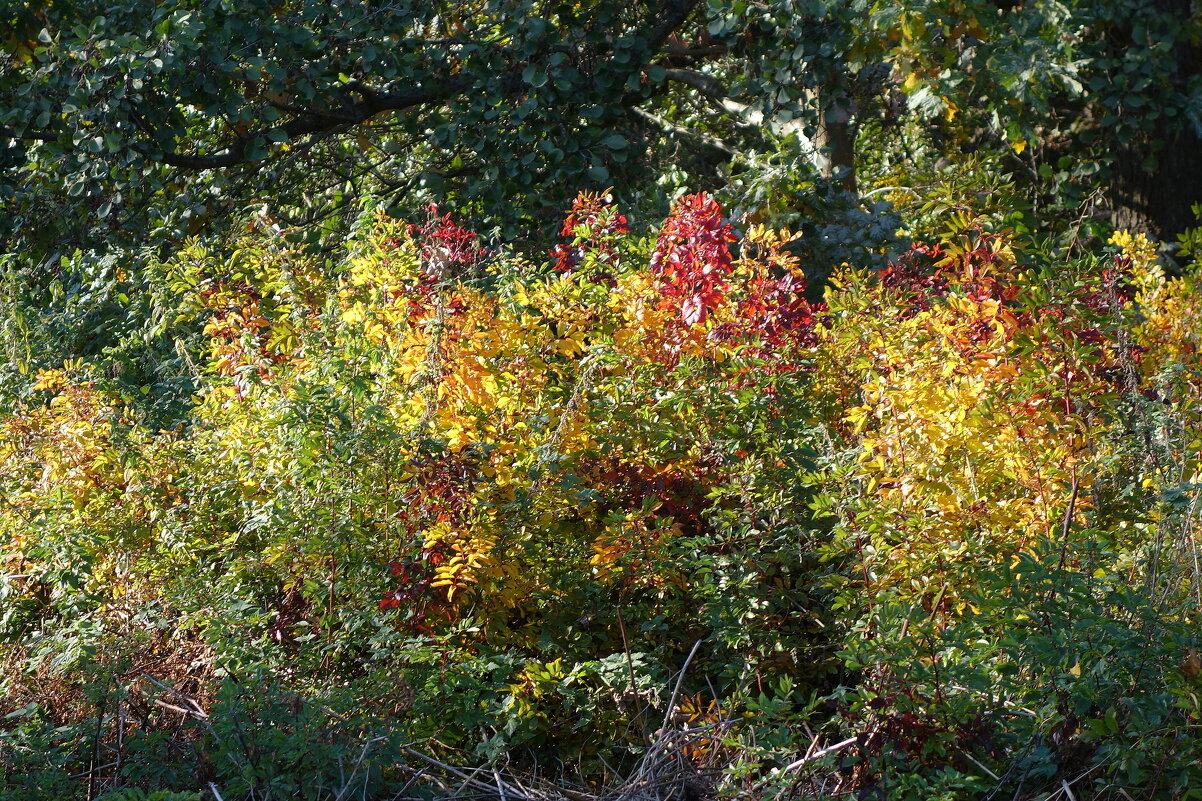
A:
837,140
1157,201
1158,175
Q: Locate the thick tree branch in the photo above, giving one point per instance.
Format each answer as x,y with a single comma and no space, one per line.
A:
672,15
316,122
713,89
675,48
705,84
36,136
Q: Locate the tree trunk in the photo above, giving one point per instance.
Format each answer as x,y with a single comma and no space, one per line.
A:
1157,201
836,140
1158,176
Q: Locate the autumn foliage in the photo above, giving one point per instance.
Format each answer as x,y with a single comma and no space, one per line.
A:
432,495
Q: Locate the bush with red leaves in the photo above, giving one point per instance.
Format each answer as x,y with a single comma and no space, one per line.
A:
692,257
446,248
595,225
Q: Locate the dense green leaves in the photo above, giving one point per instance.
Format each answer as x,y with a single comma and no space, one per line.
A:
123,120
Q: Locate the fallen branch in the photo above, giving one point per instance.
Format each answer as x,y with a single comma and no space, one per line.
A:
816,755
470,779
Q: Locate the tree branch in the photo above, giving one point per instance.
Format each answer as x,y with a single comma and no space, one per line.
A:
713,89
672,16
674,48
706,84
672,127
315,122
36,136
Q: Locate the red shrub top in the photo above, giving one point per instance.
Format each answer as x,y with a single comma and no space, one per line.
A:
778,310
916,275
445,245
692,257
594,225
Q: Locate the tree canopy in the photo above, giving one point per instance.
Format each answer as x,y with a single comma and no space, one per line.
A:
125,120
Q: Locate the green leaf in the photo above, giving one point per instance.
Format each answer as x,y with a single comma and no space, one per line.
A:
614,141
534,76
256,150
